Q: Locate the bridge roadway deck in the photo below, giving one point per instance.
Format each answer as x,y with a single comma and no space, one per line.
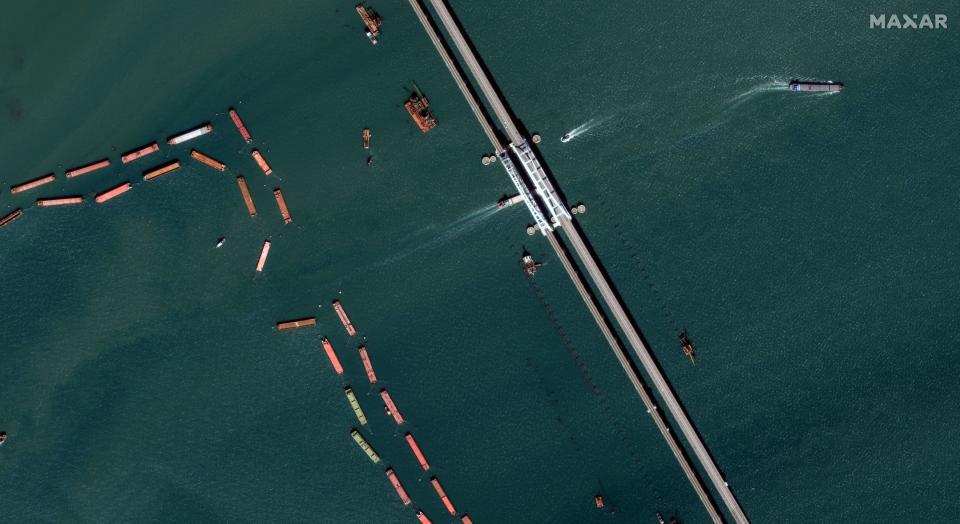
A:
605,290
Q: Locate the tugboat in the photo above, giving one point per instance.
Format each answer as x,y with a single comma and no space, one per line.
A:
598,501
366,138
566,138
220,241
3,437
529,264
372,20
688,348
419,108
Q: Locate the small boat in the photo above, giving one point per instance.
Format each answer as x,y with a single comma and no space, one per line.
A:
370,160
566,138
688,348
220,241
529,264
366,138
3,437
815,86
598,501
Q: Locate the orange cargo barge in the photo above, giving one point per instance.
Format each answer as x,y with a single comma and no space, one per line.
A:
87,168
36,182
261,162
443,496
246,196
11,216
63,201
328,348
465,520
294,324
391,407
263,255
416,451
240,127
344,319
371,376
423,518
216,164
114,192
397,486
140,153
282,204
160,171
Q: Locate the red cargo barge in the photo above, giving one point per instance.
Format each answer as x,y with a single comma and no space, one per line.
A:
416,451
282,204
391,407
246,196
397,486
113,192
11,216
261,162
87,168
328,348
240,127
443,496
63,201
344,319
140,153
35,183
367,366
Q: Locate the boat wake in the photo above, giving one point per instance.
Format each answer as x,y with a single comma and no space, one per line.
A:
769,85
584,128
457,228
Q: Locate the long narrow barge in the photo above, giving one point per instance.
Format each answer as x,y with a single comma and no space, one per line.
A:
207,160
89,168
139,153
443,496
332,356
62,201
33,184
190,135
161,170
362,442
11,216
240,127
299,323
422,517
261,162
465,520
395,482
355,404
282,204
263,256
344,319
815,87
242,183
391,407
113,192
367,365
416,451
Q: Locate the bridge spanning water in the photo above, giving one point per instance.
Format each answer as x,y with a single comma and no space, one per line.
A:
559,217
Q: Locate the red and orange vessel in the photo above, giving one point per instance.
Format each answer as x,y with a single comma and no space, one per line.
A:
299,323
35,183
261,162
282,204
419,108
207,160
465,520
113,192
367,365
344,319
391,407
372,20
87,168
62,201
242,183
161,170
140,153
10,217
395,482
328,348
416,451
443,496
423,518
240,127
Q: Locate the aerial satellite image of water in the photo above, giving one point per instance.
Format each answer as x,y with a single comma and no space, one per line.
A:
494,262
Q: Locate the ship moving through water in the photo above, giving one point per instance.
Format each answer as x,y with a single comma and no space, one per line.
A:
816,87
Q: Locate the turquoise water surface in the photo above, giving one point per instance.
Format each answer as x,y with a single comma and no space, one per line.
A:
807,244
